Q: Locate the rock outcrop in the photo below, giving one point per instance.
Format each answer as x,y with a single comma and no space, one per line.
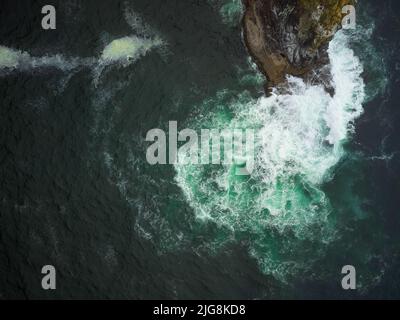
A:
290,37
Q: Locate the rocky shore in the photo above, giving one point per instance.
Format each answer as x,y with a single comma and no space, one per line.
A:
290,37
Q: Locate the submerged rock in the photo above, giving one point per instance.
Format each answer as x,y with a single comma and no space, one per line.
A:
290,37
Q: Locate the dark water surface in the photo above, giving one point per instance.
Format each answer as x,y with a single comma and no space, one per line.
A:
77,193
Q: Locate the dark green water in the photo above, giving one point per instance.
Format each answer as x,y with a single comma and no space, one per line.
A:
78,193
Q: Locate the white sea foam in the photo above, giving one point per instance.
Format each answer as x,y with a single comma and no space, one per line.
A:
301,138
10,59
123,52
17,60
127,49
120,52
303,131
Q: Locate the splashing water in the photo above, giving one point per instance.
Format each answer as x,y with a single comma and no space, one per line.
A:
282,207
288,214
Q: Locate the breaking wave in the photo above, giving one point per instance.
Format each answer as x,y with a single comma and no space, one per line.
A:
282,207
12,60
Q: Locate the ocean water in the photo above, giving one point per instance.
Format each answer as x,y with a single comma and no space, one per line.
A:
78,193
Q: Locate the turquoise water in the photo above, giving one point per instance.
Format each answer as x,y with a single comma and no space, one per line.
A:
313,203
304,211
281,211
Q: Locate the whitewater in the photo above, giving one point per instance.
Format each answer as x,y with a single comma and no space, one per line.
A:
301,138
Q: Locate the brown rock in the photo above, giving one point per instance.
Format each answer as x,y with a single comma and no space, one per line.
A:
290,37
